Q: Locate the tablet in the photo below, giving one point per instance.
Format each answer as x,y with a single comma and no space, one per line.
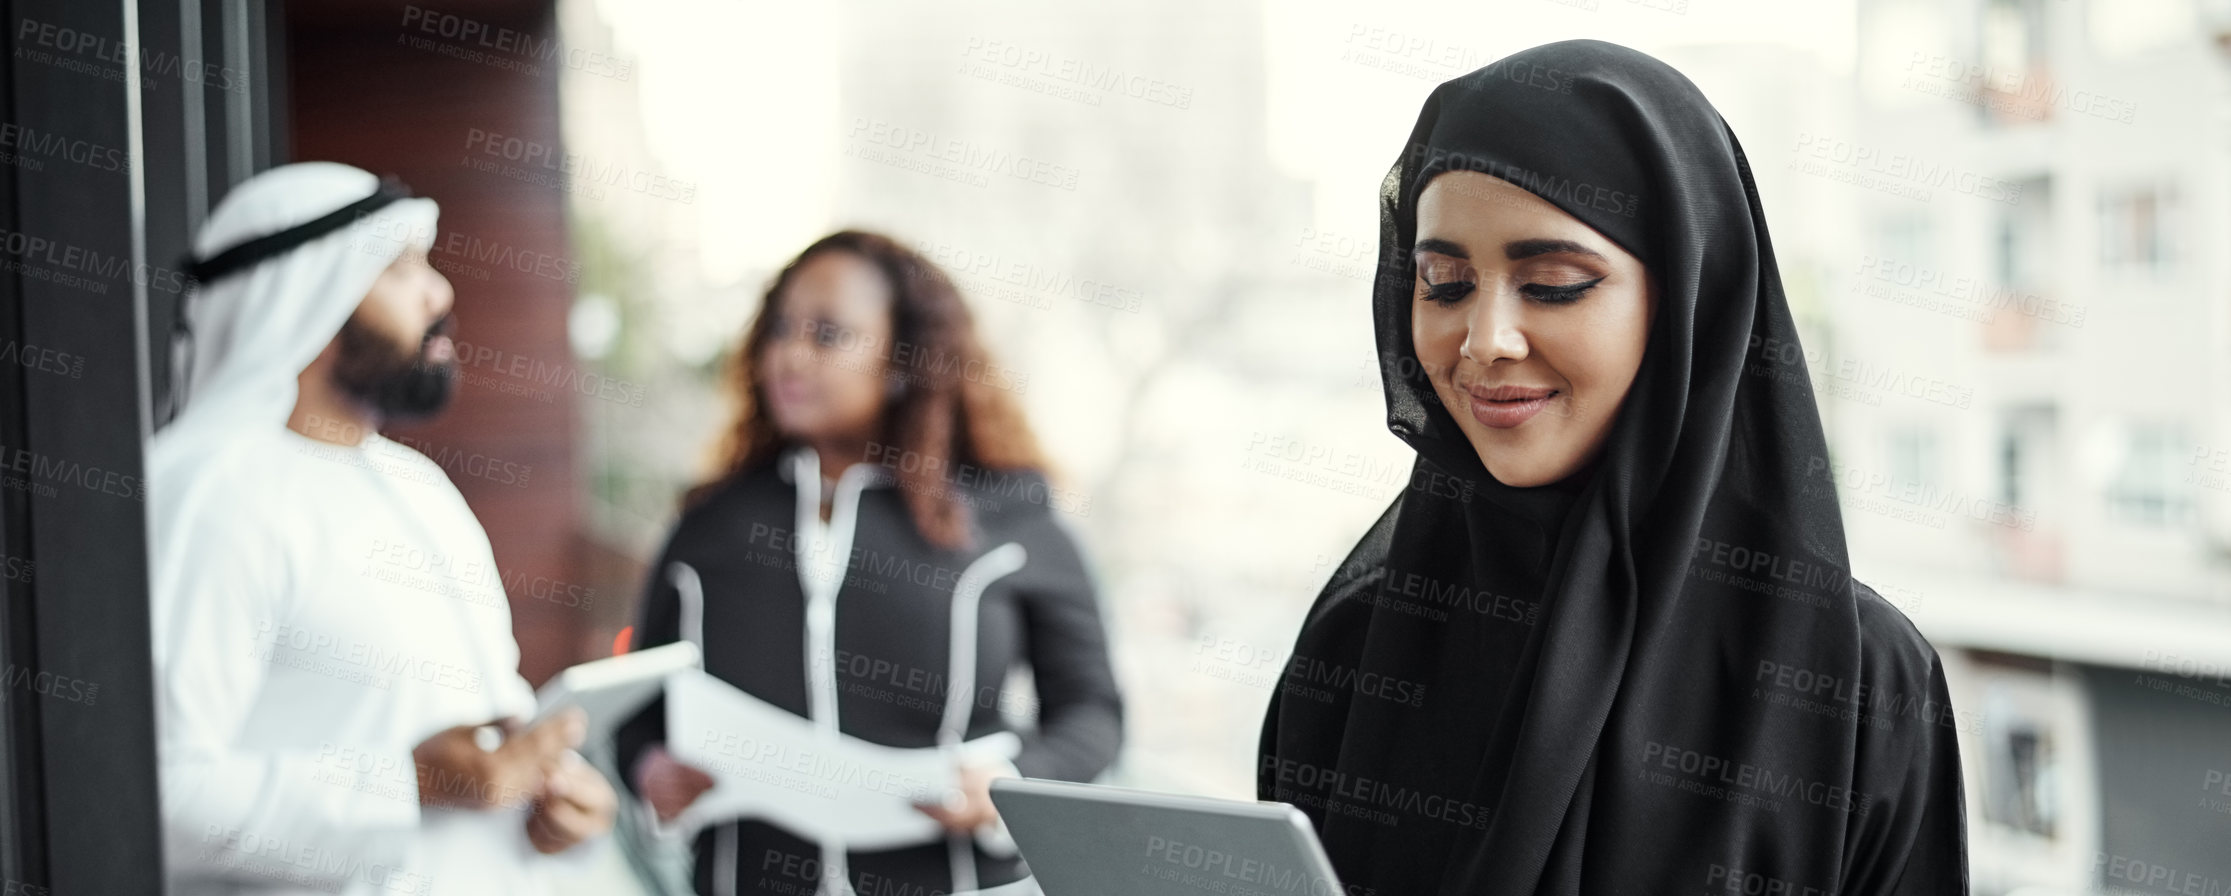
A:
1089,840
613,689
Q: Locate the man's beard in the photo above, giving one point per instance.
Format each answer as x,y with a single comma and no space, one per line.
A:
396,382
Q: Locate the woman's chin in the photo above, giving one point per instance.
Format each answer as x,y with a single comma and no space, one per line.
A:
1524,469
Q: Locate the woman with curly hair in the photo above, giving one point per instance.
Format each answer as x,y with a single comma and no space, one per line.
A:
877,551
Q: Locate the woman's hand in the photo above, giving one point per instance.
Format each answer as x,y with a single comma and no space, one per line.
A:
975,806
668,784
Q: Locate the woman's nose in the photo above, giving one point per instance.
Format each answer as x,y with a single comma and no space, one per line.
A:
1494,333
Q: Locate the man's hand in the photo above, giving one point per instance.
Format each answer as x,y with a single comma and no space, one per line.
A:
668,784
975,806
455,772
576,803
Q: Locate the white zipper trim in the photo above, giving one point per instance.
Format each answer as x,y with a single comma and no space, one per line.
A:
822,566
689,589
813,551
689,592
724,860
968,594
960,681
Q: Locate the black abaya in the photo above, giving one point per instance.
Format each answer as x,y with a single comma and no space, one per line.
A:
1657,676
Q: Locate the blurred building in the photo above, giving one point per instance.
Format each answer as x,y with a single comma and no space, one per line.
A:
642,440
2027,363
1101,186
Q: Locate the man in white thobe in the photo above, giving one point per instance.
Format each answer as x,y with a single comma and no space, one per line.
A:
340,708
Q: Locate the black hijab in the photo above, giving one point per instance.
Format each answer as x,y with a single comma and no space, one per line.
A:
1658,674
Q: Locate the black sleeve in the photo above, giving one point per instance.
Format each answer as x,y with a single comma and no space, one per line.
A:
1080,713
658,621
1913,838
1266,749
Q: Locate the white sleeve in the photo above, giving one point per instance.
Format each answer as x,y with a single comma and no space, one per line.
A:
232,810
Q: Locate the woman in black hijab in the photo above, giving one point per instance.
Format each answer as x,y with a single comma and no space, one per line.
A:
1614,602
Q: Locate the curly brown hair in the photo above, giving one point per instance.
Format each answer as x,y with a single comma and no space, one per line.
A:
950,413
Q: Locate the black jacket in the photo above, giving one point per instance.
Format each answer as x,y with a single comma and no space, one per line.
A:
893,647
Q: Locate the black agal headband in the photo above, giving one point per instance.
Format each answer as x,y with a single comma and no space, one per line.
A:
251,252
248,254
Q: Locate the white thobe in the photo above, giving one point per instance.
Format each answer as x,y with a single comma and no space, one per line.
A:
319,610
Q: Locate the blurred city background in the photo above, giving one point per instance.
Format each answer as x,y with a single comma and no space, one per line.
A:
2000,221
2002,225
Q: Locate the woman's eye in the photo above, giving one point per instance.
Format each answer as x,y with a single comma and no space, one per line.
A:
1447,293
1558,295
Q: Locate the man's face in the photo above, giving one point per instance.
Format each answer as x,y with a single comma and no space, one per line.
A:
395,352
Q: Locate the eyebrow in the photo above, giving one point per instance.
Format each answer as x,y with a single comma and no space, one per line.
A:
1529,248
1515,250
1442,247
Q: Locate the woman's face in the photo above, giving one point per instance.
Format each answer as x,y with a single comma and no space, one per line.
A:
1529,323
822,369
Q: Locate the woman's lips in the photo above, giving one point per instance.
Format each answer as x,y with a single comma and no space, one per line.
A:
790,394
1506,406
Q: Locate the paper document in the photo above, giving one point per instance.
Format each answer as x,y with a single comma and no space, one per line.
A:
771,765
